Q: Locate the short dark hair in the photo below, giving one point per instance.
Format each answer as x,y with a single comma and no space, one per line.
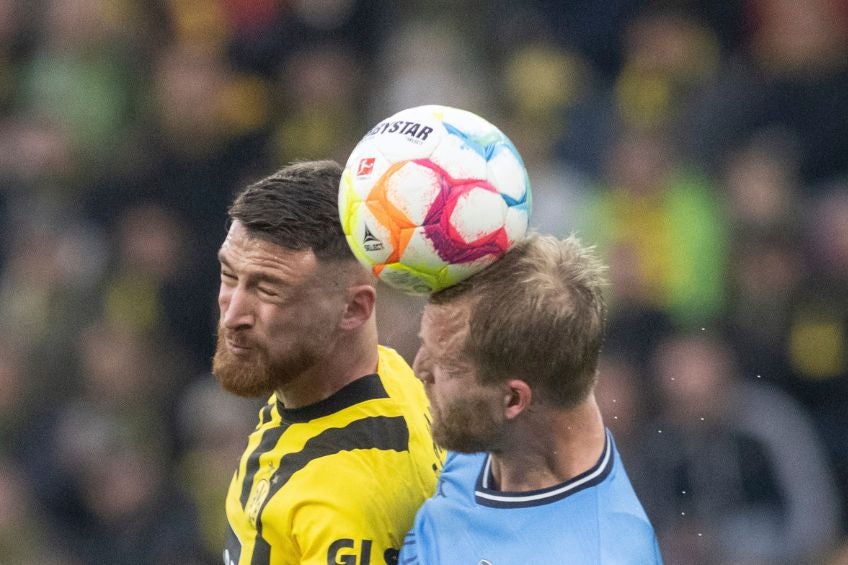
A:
296,208
537,314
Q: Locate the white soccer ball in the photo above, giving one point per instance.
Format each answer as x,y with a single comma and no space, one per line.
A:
432,195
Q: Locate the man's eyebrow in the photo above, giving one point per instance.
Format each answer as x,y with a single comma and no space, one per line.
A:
254,276
266,277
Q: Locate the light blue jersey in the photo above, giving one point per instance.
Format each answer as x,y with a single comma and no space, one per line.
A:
594,518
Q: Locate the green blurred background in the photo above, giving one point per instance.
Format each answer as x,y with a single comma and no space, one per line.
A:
702,146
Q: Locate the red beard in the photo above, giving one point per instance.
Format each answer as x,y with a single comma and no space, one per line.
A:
245,376
254,374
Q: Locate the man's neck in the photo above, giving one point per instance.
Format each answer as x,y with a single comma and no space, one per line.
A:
347,361
550,448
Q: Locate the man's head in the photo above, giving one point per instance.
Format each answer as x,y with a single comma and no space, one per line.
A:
290,286
527,329
297,209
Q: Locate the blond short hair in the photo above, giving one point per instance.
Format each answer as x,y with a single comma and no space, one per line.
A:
537,314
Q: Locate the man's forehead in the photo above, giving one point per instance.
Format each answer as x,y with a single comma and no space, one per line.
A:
237,230
244,247
444,326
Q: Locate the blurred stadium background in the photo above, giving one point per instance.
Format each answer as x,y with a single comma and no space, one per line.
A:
702,146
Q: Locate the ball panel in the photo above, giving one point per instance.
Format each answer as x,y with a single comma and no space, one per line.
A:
409,280
515,224
507,172
420,254
476,134
411,187
458,159
476,211
456,272
454,252
469,125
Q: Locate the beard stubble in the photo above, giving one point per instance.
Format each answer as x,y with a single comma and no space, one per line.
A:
467,426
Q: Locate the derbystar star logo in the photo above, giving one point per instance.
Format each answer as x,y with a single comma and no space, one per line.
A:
365,167
416,132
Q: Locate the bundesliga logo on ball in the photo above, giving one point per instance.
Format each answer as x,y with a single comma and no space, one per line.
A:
431,196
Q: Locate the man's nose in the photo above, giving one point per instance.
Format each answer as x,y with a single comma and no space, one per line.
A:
237,308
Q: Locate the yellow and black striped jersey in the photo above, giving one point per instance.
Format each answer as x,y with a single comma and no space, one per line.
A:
338,481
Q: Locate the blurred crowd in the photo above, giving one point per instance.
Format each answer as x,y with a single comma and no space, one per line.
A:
701,146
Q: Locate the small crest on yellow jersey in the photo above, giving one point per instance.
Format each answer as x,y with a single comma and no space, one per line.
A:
257,499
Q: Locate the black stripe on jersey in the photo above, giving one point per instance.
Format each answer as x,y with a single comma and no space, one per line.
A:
376,432
364,388
265,415
360,390
270,437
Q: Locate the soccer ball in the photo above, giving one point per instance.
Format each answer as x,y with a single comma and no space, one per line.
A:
432,195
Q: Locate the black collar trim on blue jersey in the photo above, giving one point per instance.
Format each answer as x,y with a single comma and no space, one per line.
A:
487,496
360,390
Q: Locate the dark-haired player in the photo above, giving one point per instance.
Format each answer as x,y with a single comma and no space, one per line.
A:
342,455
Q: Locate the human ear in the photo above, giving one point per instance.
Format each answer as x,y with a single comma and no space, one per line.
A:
517,398
359,307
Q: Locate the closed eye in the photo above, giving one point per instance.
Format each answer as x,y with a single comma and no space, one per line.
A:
268,292
424,375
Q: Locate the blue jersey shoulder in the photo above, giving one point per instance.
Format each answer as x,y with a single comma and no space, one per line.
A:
593,518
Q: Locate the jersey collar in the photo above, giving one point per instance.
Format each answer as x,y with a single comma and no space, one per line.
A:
360,390
487,496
